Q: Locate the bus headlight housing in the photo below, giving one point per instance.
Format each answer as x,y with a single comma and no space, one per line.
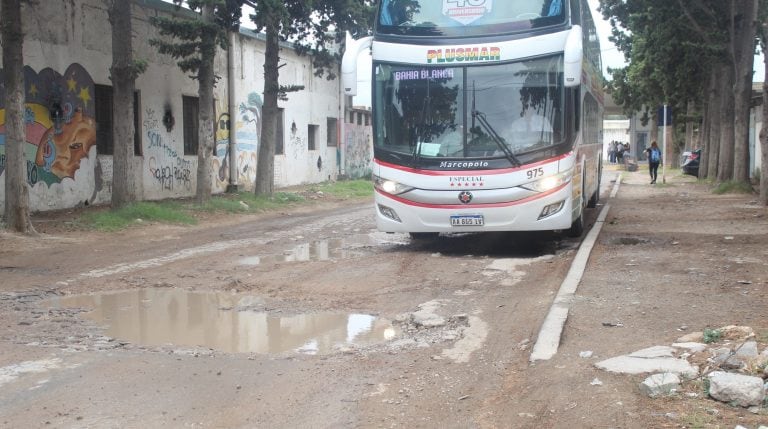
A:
552,209
390,186
548,183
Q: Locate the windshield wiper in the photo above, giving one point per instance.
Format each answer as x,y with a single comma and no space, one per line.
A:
499,140
423,128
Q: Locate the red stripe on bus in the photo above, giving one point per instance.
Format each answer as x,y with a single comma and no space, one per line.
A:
471,206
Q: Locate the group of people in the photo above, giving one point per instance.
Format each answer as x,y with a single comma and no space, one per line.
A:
616,151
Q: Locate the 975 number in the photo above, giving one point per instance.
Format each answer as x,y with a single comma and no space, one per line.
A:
536,172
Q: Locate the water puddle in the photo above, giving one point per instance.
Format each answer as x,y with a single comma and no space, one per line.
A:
221,321
321,250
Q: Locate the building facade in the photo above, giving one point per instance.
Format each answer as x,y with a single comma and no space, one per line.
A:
67,56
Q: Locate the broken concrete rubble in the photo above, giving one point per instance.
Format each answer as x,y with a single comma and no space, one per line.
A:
736,389
744,385
660,384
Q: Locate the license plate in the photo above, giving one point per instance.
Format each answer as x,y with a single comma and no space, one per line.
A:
467,220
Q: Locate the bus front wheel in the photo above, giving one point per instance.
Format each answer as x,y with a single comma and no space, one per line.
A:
423,235
577,227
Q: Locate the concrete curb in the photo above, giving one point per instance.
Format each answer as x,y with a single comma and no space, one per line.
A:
548,340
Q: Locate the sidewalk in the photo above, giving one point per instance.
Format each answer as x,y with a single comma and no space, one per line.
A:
671,259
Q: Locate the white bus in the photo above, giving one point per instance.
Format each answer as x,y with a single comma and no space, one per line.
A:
487,114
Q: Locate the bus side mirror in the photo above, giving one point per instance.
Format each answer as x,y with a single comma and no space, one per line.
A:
574,56
352,50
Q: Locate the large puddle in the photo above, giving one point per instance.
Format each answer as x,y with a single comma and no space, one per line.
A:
323,250
221,321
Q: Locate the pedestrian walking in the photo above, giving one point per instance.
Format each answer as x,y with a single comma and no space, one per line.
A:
620,153
654,159
612,152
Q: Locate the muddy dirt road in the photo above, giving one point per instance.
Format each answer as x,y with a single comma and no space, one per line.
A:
311,318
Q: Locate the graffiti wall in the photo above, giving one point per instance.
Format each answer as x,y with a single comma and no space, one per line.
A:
60,146
170,173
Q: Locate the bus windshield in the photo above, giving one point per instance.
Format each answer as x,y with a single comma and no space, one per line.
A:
467,17
497,111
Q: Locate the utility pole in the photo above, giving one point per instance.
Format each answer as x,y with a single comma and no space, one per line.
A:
664,145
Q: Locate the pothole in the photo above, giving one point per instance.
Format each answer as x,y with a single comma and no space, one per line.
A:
629,241
223,321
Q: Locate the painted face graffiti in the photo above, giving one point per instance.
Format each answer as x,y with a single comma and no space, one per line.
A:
61,152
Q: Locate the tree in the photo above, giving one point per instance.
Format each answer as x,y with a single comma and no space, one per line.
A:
16,188
194,43
124,72
742,51
675,49
312,25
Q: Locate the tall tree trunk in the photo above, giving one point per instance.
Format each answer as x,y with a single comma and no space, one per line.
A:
123,85
715,106
764,141
725,166
744,55
205,80
265,171
16,188
703,143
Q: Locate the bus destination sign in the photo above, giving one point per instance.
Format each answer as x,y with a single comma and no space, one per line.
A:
424,74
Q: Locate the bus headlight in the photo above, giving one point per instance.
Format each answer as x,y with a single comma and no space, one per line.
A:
390,186
548,183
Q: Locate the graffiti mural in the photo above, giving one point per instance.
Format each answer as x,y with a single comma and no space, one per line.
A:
60,128
169,170
221,153
247,134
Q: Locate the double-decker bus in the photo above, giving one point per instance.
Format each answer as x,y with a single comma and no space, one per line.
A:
487,114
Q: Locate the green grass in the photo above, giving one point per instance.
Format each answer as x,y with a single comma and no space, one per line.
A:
184,212
732,187
113,220
346,188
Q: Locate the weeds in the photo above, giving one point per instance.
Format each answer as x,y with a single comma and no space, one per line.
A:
346,188
698,420
113,220
712,335
733,187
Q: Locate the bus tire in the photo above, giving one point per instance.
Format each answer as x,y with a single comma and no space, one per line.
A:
577,227
595,198
423,235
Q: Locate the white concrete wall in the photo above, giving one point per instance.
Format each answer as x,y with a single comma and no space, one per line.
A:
755,148
314,105
73,52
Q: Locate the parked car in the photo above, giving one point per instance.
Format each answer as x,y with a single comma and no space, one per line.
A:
691,163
